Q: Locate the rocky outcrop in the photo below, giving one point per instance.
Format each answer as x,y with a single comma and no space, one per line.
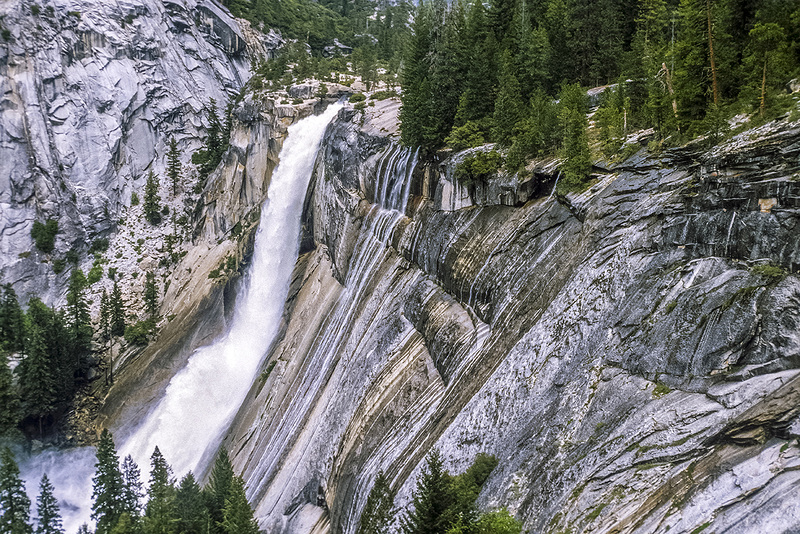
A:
92,92
625,353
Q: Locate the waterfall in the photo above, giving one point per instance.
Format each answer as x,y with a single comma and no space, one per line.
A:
188,422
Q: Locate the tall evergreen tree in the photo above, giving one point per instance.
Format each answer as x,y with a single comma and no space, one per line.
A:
152,200
378,511
190,510
12,331
767,56
217,490
104,325
107,489
508,109
173,165
132,490
431,500
237,514
416,102
37,381
151,294
47,511
159,516
574,137
9,400
78,313
117,305
14,503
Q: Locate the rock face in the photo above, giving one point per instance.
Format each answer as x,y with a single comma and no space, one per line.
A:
625,353
92,91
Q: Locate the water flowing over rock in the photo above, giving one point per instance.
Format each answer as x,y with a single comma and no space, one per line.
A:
619,350
92,92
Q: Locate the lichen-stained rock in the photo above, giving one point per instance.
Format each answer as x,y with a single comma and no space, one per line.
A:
629,354
92,91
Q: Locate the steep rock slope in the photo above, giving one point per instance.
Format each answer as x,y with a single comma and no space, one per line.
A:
620,351
92,92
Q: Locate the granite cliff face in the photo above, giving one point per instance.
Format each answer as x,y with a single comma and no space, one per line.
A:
625,353
92,92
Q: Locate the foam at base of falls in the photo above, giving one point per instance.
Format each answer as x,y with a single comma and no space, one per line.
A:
202,398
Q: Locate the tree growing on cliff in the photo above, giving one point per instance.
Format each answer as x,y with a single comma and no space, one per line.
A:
107,489
9,401
378,511
152,200
151,294
47,511
574,137
14,503
431,500
173,165
117,311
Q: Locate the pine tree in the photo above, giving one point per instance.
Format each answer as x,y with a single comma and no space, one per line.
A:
132,490
107,489
152,200
416,101
159,516
209,157
508,109
173,165
151,294
574,137
217,490
48,514
37,382
768,56
12,331
104,325
78,312
378,511
431,500
237,513
125,525
190,510
14,503
117,305
9,401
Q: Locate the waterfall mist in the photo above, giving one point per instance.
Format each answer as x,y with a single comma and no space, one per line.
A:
188,422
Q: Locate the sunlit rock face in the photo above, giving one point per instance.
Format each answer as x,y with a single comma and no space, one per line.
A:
619,351
91,93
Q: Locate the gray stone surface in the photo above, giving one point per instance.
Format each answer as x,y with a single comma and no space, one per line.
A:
617,350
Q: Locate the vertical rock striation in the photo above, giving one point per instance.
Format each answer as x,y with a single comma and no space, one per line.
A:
623,352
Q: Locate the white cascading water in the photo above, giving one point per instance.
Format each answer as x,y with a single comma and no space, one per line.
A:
200,401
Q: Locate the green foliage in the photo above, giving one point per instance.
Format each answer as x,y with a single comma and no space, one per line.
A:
152,200
95,273
661,389
134,199
383,95
772,273
508,108
58,265
378,511
12,326
99,246
173,165
159,516
44,235
14,503
431,501
116,311
107,488
478,167
190,510
237,514
37,379
139,333
357,97
132,491
216,144
9,401
47,511
151,294
497,522
468,135
217,490
574,138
